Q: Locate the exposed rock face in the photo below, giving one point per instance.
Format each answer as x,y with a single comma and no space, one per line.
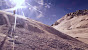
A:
74,24
33,35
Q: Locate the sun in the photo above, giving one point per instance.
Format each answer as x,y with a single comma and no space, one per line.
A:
17,2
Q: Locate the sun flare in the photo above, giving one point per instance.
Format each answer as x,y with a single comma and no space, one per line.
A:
17,2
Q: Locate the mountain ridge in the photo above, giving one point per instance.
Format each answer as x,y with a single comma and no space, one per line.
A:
32,35
74,24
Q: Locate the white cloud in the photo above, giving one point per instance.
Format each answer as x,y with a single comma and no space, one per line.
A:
40,2
53,15
47,5
40,15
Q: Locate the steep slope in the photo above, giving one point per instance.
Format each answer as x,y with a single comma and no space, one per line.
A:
33,35
74,24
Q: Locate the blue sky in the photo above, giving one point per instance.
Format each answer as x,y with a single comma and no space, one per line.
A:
48,11
61,7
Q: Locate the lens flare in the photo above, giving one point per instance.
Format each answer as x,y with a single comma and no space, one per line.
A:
17,2
24,7
27,7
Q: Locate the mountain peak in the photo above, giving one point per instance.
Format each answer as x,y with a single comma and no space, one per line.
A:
78,12
74,24
72,15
